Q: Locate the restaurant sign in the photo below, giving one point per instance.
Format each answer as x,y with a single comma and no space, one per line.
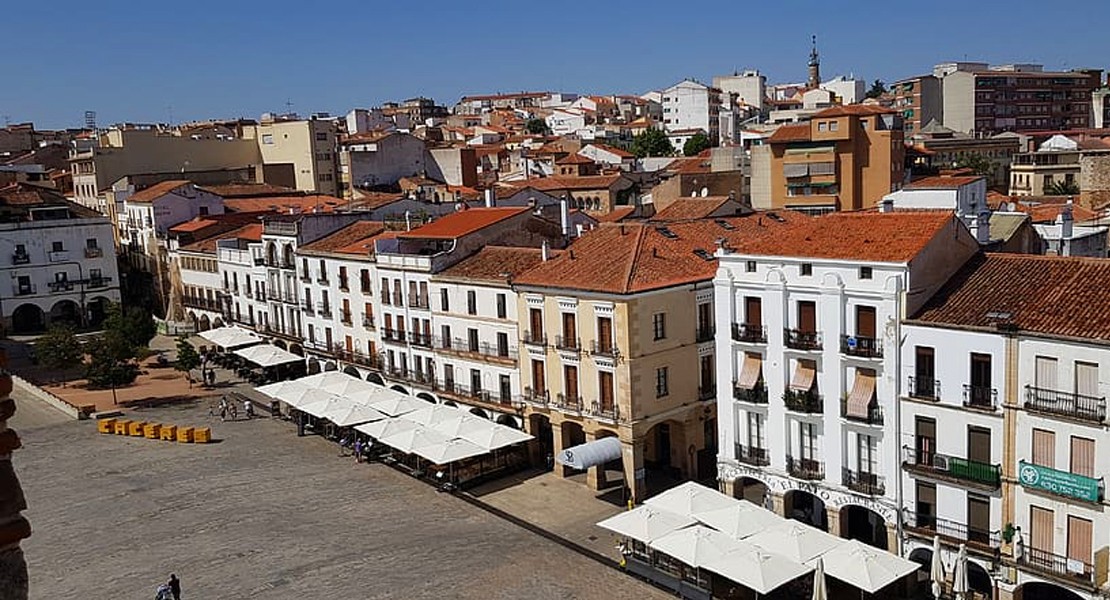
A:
1060,483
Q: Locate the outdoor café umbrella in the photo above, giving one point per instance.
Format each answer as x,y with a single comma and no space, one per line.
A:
496,437
936,569
691,499
820,586
418,437
386,427
448,452
796,541
645,524
461,423
353,414
741,519
959,574
868,569
396,403
696,546
762,572
433,414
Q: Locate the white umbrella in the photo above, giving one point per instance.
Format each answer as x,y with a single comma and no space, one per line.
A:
322,407
302,399
959,574
696,546
936,569
753,568
265,355
433,414
349,386
498,437
796,541
645,524
449,451
385,427
396,404
691,499
353,414
461,424
741,520
820,586
866,568
418,437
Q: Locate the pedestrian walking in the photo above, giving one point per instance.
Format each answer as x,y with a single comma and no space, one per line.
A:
248,408
175,586
358,450
223,412
163,592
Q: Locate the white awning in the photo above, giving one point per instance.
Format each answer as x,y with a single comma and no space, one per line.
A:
353,415
761,571
862,391
796,541
386,427
449,451
590,454
741,519
230,337
265,355
394,403
804,374
413,439
432,414
867,568
691,499
795,170
749,373
697,545
645,523
498,437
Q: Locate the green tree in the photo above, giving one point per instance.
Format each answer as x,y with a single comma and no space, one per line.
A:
697,142
187,358
652,142
878,88
59,350
537,127
979,164
133,326
111,363
1062,187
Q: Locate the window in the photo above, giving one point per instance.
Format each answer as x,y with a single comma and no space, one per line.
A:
1079,541
865,272
604,334
866,454
472,339
385,291
321,136
978,519
364,281
755,430
749,266
661,388
502,310
807,316
267,138
834,125
471,303
1083,456
806,269
570,382
444,303
502,344
90,244
1044,448
1042,529
659,325
822,126
57,247
445,333
807,441
21,249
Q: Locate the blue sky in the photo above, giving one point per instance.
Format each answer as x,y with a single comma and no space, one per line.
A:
157,61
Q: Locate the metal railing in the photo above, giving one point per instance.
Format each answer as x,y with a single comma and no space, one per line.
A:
306,278
308,307
707,392
538,397
345,316
568,403
981,397
65,286
367,321
872,416
324,310
853,345
343,284
202,303
418,301
805,402
805,468
423,340
756,395
801,340
923,389
952,467
605,410
863,482
536,338
705,333
1067,404
571,344
951,532
20,259
747,332
393,335
604,349
750,455
485,349
1055,564
93,252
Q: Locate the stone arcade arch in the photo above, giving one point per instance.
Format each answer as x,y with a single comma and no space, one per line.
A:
806,507
28,318
863,524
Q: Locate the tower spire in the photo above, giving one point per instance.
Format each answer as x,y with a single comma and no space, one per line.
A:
814,67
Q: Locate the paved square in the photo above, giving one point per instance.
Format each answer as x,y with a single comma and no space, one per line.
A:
265,514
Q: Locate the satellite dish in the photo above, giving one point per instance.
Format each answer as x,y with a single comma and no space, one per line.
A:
704,192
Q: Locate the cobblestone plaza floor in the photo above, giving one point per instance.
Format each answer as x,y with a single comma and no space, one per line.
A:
265,514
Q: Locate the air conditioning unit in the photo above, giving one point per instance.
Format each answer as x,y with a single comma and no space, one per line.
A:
940,463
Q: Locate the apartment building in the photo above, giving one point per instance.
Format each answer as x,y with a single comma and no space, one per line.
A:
242,270
691,105
1054,162
1004,422
808,374
200,285
61,259
298,153
844,158
918,101
148,215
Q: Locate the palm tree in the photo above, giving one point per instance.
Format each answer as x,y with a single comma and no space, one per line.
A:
1063,187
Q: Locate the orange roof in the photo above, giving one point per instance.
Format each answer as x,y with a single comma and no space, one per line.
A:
691,208
893,237
791,133
463,222
157,190
942,183
1050,295
625,258
285,203
690,165
193,225
495,263
245,190
589,182
574,159
252,232
1047,212
861,110
617,214
349,240
613,150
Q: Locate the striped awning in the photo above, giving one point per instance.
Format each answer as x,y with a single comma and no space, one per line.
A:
750,372
805,372
863,389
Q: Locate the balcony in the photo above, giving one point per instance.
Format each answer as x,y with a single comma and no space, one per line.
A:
707,392
20,259
750,455
805,468
863,347
980,397
259,261
1058,566
324,309
99,282
322,280
924,389
534,338
93,252
874,414
801,340
705,333
368,321
481,350
605,410
424,340
604,349
393,335
25,290
305,278
384,295
1065,404
862,482
569,344
273,295
201,303
1063,484
756,395
952,533
343,284
536,397
951,468
749,333
60,286
568,403
308,308
803,402
418,302
345,316
57,256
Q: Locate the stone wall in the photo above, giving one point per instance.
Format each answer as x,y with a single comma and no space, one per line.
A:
13,527
1094,180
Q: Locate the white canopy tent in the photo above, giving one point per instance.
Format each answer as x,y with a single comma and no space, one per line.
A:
741,519
230,337
433,414
322,407
796,541
394,403
265,355
413,439
498,437
755,568
353,414
449,451
867,568
646,524
691,499
697,545
386,427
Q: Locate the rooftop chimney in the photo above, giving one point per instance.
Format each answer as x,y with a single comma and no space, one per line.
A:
564,216
491,198
886,205
982,226
543,251
1066,221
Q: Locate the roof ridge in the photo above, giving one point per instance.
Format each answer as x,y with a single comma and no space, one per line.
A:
634,258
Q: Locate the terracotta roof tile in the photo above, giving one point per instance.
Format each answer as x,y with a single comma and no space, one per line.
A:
619,213
248,190
157,190
691,208
285,203
791,133
495,264
463,222
345,237
1048,295
862,110
252,232
589,182
614,150
690,165
193,225
943,183
574,159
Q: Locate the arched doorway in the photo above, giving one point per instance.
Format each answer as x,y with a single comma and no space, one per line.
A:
375,378
205,323
65,312
1042,590
399,388
750,489
28,318
279,344
217,323
539,427
98,310
863,524
507,421
924,559
571,434
296,349
331,366
287,255
353,372
979,580
477,412
313,366
666,454
194,320
803,506
427,397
